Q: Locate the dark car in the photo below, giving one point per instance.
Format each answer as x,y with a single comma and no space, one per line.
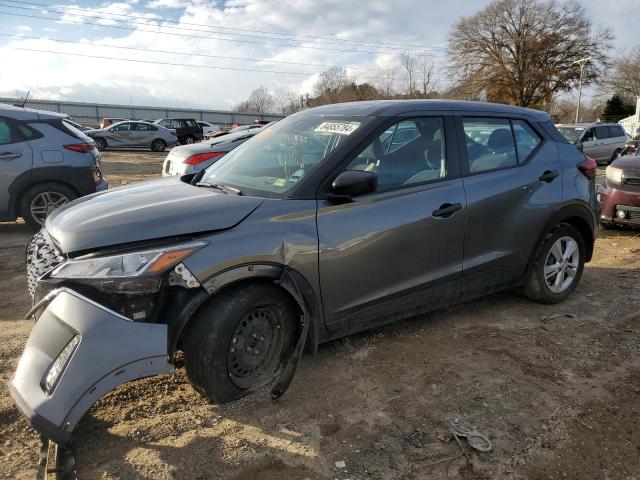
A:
619,195
332,221
187,130
189,159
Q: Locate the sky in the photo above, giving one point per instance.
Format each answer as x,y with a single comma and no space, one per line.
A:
281,44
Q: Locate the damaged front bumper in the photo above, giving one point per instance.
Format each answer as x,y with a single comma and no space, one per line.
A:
101,349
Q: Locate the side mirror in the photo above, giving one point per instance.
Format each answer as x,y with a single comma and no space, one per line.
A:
351,184
579,145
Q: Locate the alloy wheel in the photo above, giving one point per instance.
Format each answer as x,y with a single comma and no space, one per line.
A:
561,265
44,203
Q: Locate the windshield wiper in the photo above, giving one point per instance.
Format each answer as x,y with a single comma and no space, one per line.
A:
219,186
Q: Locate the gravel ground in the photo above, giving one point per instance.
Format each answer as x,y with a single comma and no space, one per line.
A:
555,388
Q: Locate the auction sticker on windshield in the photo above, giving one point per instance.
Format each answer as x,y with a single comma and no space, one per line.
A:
343,128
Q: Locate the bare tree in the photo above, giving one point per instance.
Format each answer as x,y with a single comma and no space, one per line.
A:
523,52
286,101
259,101
331,80
426,74
625,75
386,81
410,72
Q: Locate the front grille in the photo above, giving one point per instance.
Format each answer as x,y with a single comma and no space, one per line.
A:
42,257
633,216
632,181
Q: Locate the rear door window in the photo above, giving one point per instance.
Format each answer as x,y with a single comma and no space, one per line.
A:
526,139
144,127
616,131
490,144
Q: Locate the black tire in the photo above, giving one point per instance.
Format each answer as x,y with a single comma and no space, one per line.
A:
158,145
101,144
615,155
536,287
188,140
36,193
215,339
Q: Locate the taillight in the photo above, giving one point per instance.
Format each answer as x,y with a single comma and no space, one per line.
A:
202,157
588,167
80,147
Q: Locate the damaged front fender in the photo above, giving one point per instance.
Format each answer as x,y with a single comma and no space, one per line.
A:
108,350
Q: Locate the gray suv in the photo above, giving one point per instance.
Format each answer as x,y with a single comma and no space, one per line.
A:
601,141
44,163
334,220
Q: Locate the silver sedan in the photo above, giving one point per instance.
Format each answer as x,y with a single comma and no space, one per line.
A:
130,134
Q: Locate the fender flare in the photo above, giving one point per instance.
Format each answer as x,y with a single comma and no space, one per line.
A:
564,212
294,283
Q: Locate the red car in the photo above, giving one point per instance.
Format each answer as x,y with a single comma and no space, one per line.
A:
619,195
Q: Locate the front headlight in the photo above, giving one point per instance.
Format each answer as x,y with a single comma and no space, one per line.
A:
133,264
614,174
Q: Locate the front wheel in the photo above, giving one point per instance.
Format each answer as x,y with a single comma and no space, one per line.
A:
238,341
557,271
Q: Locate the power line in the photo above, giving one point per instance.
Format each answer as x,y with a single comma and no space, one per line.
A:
186,53
342,41
308,47
214,67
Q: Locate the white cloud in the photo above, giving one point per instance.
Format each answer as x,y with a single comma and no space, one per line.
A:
201,30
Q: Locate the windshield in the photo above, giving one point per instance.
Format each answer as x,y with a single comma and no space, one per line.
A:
571,133
274,160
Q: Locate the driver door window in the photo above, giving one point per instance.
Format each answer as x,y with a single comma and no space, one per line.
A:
409,152
588,136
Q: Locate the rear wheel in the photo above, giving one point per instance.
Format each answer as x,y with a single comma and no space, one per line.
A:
188,139
238,341
101,143
38,201
158,145
558,268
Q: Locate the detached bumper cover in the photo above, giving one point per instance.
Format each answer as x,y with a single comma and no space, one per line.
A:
112,350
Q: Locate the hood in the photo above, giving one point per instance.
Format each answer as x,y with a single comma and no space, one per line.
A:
630,164
145,211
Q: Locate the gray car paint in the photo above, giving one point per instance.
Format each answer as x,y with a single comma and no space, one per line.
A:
135,136
126,351
42,159
357,264
144,211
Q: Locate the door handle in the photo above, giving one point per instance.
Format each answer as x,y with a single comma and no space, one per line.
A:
447,209
9,155
548,176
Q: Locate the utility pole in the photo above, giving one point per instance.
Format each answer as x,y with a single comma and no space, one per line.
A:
582,62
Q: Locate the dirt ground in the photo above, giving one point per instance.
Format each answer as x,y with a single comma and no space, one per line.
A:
555,388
